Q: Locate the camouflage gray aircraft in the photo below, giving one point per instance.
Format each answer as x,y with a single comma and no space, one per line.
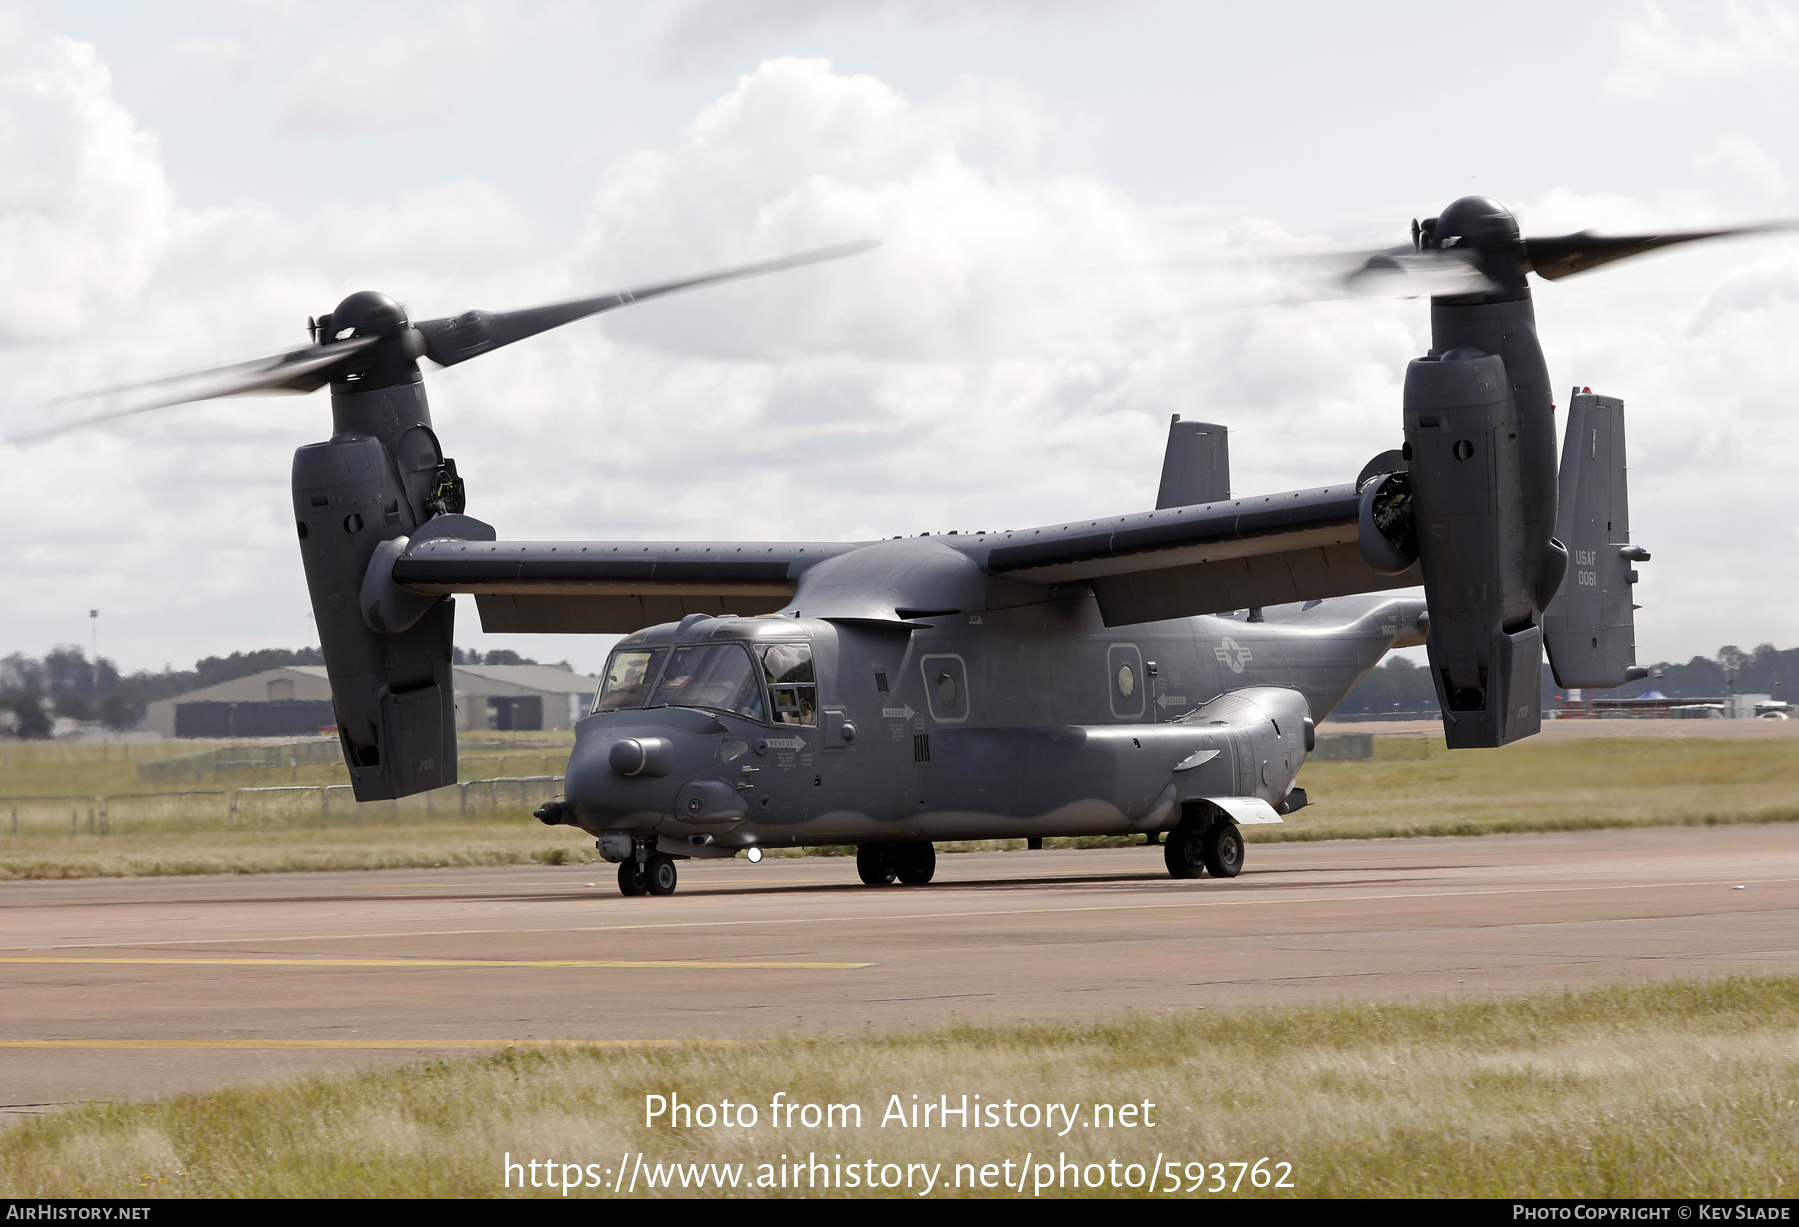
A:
1071,679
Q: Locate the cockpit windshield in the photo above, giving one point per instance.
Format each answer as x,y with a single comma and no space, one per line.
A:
628,676
715,676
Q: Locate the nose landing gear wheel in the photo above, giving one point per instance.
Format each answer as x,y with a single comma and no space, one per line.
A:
915,863
1222,846
633,879
874,863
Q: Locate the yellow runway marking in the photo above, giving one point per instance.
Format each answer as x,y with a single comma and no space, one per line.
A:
308,1045
707,965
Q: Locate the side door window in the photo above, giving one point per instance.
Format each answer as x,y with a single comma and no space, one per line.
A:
946,687
792,685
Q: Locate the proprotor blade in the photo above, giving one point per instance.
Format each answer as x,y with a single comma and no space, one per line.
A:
449,341
1403,273
446,342
297,370
1564,255
1382,272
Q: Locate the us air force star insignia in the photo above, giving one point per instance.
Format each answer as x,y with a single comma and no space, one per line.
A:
1231,653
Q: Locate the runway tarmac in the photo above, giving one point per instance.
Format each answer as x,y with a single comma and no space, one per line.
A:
1575,730
117,989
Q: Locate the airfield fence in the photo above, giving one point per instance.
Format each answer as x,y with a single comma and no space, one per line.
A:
268,808
1370,747
241,758
79,751
269,763
1342,748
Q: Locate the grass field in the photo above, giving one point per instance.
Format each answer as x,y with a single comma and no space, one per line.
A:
1412,787
82,810
1416,787
1672,1090
105,768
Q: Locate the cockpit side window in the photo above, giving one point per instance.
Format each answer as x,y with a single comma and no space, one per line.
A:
792,685
714,676
628,677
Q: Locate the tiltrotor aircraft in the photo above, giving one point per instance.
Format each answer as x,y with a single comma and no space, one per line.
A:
1070,679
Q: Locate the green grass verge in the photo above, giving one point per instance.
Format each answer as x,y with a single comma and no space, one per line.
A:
1416,787
1668,1090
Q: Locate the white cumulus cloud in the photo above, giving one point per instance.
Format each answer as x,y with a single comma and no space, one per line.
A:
1656,52
385,70
699,28
1738,168
84,208
1009,356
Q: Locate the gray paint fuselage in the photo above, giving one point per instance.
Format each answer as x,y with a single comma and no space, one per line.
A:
1036,734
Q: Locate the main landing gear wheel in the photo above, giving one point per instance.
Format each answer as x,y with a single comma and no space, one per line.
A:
1184,851
1222,847
915,863
874,862
661,874
633,879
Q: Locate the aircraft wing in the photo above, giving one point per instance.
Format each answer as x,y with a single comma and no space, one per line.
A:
1180,561
1154,565
608,587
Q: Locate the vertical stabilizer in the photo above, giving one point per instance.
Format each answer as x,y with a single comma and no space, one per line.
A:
1197,466
1589,627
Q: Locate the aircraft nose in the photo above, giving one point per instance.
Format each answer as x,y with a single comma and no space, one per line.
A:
637,773
619,774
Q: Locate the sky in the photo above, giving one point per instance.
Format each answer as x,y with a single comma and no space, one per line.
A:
1061,190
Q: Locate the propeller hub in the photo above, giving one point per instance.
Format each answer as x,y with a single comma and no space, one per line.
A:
392,360
1474,221
365,313
1483,233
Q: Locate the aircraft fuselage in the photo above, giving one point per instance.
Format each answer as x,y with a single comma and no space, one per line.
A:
1011,723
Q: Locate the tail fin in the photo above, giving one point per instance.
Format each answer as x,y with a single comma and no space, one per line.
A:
1197,466
1589,629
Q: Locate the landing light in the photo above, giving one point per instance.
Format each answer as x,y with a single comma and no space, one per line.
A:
755,855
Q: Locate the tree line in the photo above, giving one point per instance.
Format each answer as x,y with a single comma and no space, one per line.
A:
34,690
1399,685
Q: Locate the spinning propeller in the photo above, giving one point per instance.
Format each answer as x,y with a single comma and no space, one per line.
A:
367,340
1472,249
1475,248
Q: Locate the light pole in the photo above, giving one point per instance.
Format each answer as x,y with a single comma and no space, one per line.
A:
93,621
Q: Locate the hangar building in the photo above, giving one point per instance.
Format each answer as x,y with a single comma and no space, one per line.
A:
296,700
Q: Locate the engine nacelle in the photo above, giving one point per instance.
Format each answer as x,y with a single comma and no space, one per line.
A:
1480,570
380,477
